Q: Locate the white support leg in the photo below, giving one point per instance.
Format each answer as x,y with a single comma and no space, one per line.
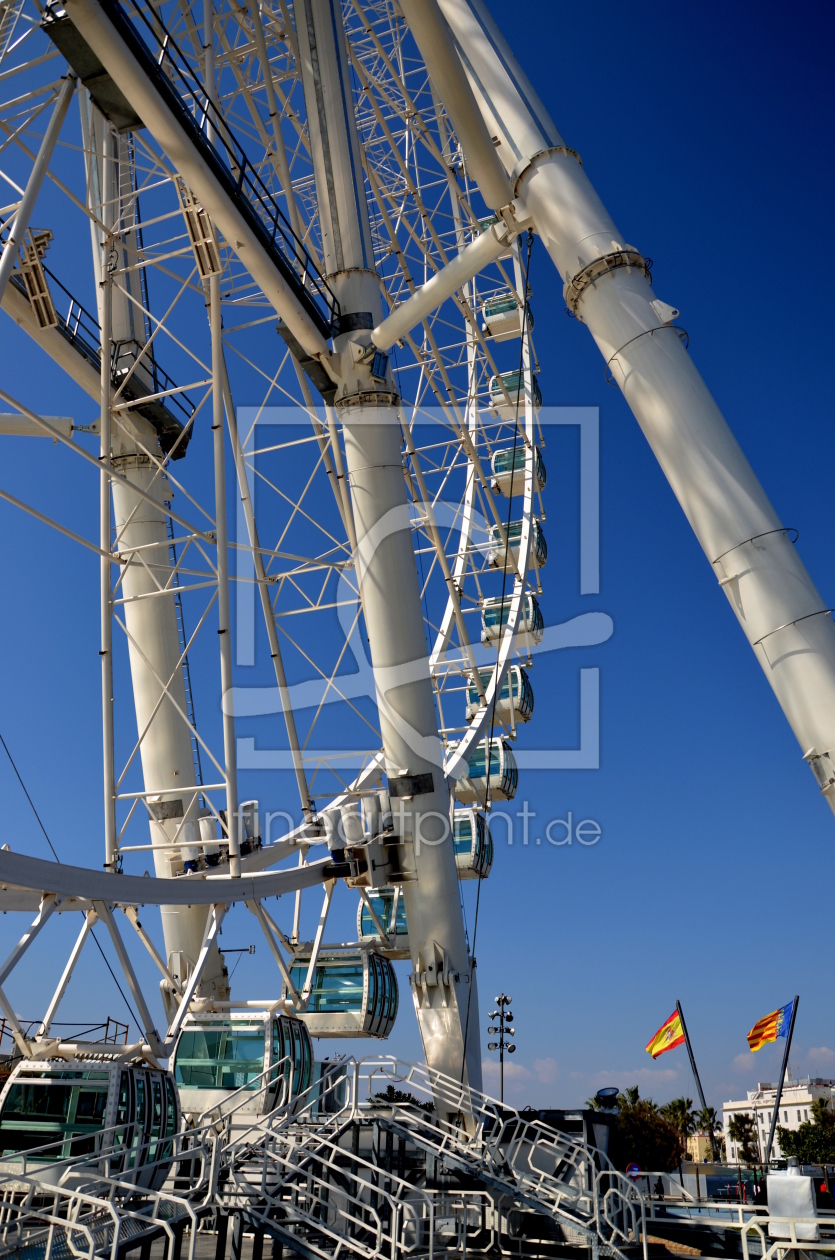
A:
90,920
307,988
23,1045
606,284
216,917
49,905
132,917
105,913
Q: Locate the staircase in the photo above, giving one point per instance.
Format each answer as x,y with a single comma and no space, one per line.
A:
56,1223
337,1172
371,1179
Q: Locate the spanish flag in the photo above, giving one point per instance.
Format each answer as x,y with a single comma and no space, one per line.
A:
669,1036
770,1027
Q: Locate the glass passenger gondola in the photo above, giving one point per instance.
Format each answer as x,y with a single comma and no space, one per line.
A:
354,994
472,788
75,1109
509,470
502,317
484,225
217,1054
514,383
515,699
497,553
473,844
495,612
383,901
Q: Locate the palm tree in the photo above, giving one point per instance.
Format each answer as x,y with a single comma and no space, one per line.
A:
709,1123
631,1097
680,1113
743,1130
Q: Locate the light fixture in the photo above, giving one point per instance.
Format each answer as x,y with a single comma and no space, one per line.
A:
492,1045
492,1029
510,1049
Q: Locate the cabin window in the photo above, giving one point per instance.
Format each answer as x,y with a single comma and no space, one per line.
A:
336,986
63,1111
220,1058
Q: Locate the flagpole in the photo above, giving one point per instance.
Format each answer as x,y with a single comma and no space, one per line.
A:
780,1082
695,1073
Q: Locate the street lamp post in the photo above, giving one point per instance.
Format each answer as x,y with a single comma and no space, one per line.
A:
504,1030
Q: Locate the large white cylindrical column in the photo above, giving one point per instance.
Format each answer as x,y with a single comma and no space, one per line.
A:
160,701
606,284
445,1002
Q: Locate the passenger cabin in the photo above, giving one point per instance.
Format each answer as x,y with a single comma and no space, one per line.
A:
53,1110
495,612
514,384
263,1058
484,225
509,470
390,909
354,994
472,788
502,317
515,699
473,844
497,553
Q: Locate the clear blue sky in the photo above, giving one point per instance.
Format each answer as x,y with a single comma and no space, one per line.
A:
708,133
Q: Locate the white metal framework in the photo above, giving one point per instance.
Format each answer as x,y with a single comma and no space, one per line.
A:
283,249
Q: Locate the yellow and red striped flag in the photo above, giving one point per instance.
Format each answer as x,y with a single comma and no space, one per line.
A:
669,1035
770,1027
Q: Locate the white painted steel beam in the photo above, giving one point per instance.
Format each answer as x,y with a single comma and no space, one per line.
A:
77,367
105,913
385,555
92,22
485,249
432,36
90,920
257,909
78,886
36,178
606,284
207,947
21,426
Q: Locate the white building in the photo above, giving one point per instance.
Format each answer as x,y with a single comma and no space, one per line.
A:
795,1109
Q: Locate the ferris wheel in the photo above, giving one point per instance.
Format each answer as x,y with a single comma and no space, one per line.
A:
284,250
448,584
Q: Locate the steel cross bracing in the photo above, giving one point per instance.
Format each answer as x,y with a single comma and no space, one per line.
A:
155,250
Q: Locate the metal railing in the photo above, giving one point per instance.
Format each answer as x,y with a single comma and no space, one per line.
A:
111,1033
53,1220
81,329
